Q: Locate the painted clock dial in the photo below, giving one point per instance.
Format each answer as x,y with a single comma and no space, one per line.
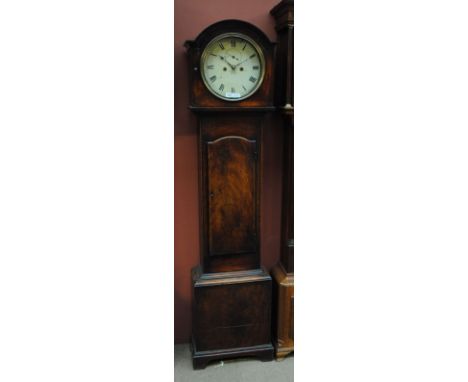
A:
232,66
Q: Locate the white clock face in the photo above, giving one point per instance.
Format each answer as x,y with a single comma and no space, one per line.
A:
232,67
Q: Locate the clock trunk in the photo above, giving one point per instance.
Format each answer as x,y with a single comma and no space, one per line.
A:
230,147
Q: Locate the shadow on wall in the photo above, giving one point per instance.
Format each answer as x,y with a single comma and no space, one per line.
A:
182,310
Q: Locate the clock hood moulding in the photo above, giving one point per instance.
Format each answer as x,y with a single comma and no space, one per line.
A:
227,26
202,99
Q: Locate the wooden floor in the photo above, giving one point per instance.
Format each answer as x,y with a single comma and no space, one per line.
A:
238,370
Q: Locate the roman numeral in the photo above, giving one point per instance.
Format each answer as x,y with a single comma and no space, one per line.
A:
210,67
233,90
221,45
244,46
256,67
213,78
233,43
221,87
213,55
252,56
243,87
252,79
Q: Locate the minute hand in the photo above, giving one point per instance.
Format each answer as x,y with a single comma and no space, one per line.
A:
241,62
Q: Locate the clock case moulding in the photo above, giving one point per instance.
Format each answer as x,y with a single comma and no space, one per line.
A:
231,291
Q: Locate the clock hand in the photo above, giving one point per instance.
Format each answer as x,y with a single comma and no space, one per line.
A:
235,66
227,62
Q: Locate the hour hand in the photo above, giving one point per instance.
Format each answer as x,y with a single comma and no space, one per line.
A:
227,62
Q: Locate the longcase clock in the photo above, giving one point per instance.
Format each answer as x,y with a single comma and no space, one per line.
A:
231,90
283,272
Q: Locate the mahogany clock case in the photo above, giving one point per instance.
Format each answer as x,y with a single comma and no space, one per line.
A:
231,292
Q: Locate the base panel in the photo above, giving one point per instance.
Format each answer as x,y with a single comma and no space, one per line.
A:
201,359
231,316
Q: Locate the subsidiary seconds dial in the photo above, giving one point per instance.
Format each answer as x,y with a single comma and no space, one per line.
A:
232,66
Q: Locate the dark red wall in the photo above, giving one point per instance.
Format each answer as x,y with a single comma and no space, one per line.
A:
191,17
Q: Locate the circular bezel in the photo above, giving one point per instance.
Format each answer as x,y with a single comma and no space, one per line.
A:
260,55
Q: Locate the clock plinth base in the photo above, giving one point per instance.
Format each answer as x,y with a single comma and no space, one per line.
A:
201,359
283,308
231,316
